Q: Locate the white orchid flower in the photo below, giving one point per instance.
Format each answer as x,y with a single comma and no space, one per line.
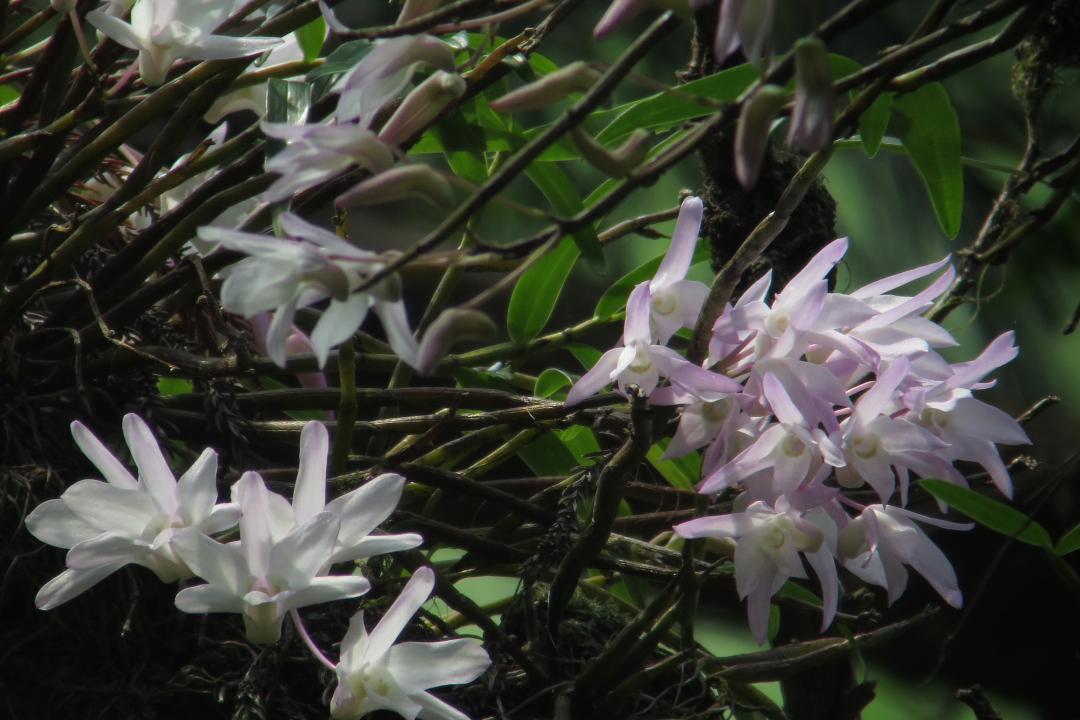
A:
125,520
283,275
375,674
319,152
164,31
260,577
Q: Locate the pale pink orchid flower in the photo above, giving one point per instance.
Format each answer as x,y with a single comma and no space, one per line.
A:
283,275
675,302
125,520
767,554
375,673
883,539
164,31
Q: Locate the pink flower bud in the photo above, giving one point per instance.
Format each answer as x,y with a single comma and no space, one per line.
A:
400,182
575,77
752,131
451,326
621,12
422,106
619,162
815,100
743,22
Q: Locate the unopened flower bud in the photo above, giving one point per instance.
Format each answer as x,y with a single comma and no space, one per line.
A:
752,131
420,107
575,77
619,162
451,326
815,99
397,183
621,12
743,22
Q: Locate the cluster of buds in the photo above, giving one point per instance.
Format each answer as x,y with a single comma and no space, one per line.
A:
811,386
281,561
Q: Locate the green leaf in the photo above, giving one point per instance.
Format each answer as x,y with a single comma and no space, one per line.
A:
287,101
463,146
1069,543
551,381
537,290
548,456
173,386
663,110
310,38
8,94
873,123
581,442
343,59
682,473
991,513
488,379
585,354
559,191
930,131
798,592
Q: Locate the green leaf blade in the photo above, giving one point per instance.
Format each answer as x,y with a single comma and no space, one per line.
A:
537,291
560,192
1070,542
988,512
931,134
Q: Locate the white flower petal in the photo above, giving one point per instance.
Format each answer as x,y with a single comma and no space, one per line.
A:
52,522
419,666
109,508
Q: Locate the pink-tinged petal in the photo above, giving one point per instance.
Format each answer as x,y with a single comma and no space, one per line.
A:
1000,351
279,330
338,323
892,282
755,25
111,469
300,556
814,272
326,588
105,549
413,595
873,401
595,379
309,493
71,583
756,293
842,311
976,419
928,560
825,568
915,304
154,473
618,13
197,488
691,295
257,542
432,708
757,608
395,323
638,326
698,381
109,508
419,666
53,523
207,599
780,402
734,525
726,40
377,545
364,508
222,517
221,565
683,243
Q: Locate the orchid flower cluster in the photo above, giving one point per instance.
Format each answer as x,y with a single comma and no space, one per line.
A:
280,562
810,386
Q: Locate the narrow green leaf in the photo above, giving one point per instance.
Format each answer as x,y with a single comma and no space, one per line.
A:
342,59
8,94
537,290
991,513
1069,542
798,592
488,379
463,145
664,110
930,131
585,354
681,473
874,122
560,192
551,381
548,456
310,38
581,442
